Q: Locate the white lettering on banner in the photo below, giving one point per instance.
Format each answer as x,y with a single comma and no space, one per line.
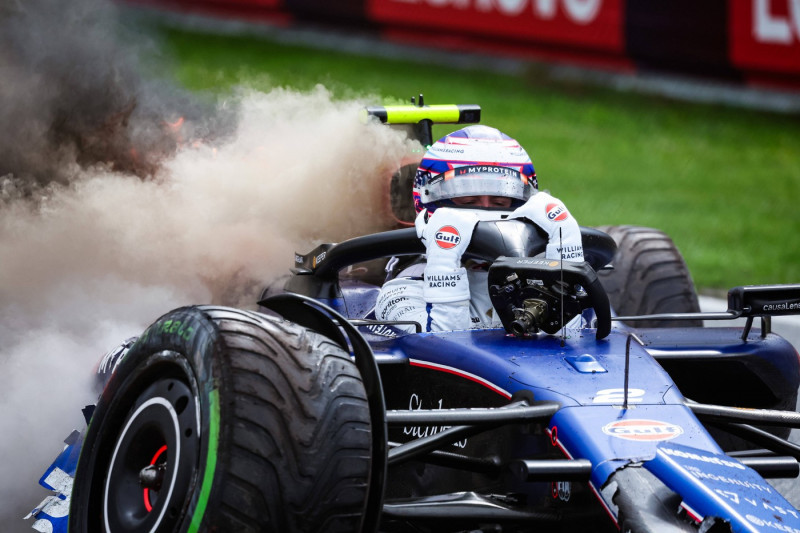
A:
777,29
582,11
579,11
546,8
415,404
511,7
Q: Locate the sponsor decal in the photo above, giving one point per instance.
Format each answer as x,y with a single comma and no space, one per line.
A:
176,328
642,430
298,259
772,524
711,459
735,482
562,490
540,262
319,259
447,280
571,252
447,237
731,485
578,11
596,24
415,404
486,169
765,34
382,330
556,212
395,301
784,306
437,178
776,21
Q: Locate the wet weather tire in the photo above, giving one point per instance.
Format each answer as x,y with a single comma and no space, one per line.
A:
649,276
225,420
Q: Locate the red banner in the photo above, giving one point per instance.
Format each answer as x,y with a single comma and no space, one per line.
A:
765,35
596,24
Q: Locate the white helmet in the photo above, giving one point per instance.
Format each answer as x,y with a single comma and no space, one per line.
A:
473,161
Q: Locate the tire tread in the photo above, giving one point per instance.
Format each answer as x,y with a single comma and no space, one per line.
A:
650,276
301,417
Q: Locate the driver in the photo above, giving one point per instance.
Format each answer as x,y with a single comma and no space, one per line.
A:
474,174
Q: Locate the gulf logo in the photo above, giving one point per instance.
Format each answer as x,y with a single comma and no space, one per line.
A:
447,237
642,430
556,212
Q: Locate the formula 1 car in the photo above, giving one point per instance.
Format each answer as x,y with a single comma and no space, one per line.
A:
310,415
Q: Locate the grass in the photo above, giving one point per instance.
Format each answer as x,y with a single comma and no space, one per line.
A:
724,183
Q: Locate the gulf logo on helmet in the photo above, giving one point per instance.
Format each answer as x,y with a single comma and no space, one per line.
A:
556,212
447,237
642,430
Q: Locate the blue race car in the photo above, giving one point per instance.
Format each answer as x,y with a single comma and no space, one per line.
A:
583,413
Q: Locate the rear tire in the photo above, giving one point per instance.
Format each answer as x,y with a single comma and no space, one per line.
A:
256,424
649,276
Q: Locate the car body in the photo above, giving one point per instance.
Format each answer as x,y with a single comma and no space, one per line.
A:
569,418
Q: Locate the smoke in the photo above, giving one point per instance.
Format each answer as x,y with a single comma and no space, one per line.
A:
108,218
73,97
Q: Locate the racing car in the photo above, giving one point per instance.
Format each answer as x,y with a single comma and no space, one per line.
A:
602,404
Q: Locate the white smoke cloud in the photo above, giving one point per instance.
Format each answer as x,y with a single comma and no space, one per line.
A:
103,256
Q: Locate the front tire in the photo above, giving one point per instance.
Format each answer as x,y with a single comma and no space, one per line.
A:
225,420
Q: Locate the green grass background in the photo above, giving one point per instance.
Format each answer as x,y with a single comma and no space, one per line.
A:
724,183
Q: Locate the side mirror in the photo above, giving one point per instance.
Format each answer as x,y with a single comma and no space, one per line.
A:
532,294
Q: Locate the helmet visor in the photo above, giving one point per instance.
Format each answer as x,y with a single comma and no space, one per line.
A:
477,180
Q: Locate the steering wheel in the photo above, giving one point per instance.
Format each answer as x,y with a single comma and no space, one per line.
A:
532,293
521,238
316,274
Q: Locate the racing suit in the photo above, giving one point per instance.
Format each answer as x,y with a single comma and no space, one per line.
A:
444,295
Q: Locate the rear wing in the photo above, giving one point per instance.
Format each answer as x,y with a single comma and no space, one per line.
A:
416,120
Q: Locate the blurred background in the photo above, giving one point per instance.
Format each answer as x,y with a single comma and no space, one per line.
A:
679,115
162,153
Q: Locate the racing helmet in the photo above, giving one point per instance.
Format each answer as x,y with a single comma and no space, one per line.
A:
473,161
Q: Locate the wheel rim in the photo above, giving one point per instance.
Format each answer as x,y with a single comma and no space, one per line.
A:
154,462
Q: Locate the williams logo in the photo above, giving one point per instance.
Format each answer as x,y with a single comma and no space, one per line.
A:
556,212
447,237
642,430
